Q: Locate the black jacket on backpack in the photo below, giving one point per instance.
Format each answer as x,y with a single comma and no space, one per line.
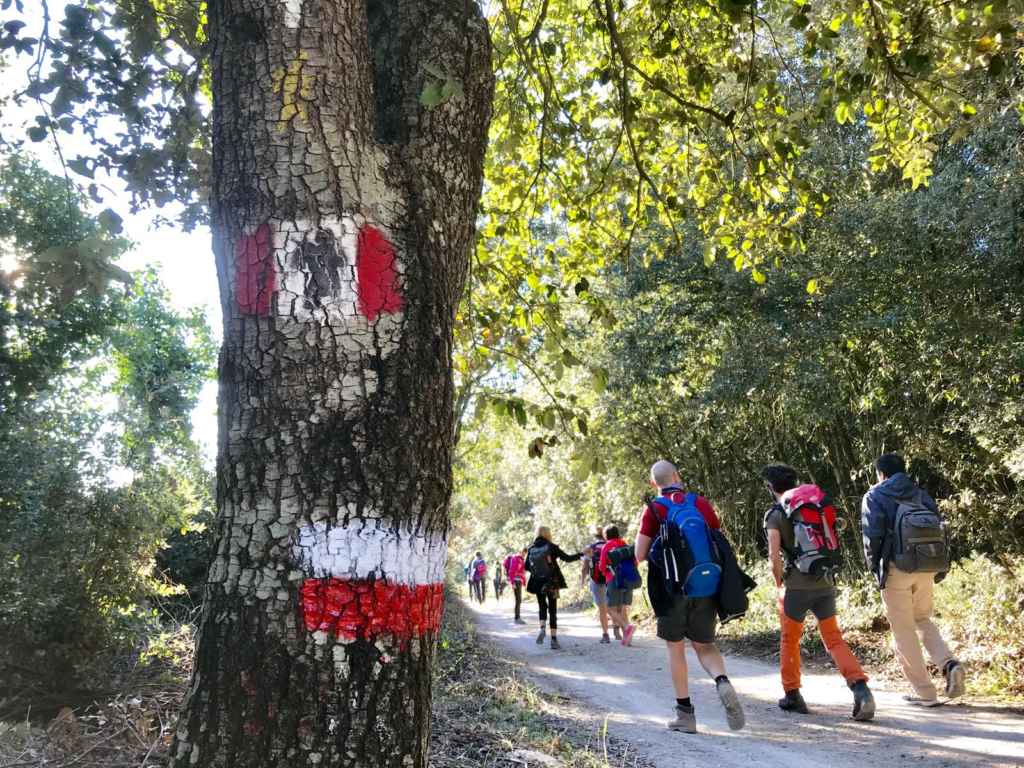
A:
878,517
556,580
735,583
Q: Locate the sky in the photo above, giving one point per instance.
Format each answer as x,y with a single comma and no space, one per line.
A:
184,260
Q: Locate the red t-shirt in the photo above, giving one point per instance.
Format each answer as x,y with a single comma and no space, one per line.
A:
654,514
603,565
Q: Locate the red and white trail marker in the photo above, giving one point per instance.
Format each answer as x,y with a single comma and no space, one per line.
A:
368,579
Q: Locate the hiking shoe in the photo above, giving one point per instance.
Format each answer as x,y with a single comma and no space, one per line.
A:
686,720
605,640
540,636
554,644
956,681
793,701
733,709
627,636
618,633
919,701
519,621
863,701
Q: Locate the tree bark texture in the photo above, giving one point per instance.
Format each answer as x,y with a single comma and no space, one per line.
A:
343,214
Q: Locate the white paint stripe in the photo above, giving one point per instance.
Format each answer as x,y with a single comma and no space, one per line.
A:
372,547
292,13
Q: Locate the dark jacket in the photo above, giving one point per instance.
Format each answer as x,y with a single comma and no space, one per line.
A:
878,518
557,581
732,592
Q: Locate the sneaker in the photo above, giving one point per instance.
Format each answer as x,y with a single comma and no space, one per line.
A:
605,640
554,644
863,701
540,636
919,701
793,701
733,709
618,633
686,720
956,682
519,621
627,636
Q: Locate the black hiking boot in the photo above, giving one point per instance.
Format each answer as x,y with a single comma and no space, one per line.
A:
793,701
863,701
605,640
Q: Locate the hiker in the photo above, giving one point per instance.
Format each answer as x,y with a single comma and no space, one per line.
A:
477,577
803,552
594,577
906,549
684,598
618,565
546,579
515,570
499,580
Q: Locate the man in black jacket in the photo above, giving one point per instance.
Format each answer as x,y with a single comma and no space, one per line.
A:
907,596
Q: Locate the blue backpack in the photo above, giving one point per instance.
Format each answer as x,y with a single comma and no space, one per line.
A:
684,550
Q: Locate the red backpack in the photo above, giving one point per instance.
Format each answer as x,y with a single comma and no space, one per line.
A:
815,543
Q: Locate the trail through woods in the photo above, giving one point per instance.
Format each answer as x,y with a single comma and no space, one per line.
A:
630,687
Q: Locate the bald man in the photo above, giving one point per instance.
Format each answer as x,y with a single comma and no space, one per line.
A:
682,618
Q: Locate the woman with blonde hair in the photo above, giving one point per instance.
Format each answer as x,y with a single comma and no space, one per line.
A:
546,579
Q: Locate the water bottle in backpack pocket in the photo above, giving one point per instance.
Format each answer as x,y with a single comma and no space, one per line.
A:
685,552
815,543
920,544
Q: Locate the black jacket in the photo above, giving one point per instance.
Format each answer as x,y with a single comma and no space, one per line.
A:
556,581
735,584
878,518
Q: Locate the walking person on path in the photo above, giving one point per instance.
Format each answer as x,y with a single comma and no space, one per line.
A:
478,578
802,550
596,581
546,579
906,549
681,616
499,580
515,570
621,580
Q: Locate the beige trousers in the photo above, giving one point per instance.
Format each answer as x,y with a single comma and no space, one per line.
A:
908,605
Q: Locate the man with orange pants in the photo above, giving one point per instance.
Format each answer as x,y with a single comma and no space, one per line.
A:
802,592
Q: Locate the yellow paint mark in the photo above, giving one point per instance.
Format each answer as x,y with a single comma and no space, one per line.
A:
295,87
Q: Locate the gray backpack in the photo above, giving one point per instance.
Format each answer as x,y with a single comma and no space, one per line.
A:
920,544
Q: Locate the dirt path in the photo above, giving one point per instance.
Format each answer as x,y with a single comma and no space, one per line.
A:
630,687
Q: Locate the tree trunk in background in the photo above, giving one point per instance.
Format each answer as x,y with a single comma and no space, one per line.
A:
343,214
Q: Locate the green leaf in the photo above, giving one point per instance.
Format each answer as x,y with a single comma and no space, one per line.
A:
431,95
812,286
111,221
37,133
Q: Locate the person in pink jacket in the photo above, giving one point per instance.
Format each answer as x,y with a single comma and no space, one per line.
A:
515,570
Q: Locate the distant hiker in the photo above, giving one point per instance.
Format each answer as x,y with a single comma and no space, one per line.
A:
499,580
595,580
618,565
906,549
803,551
683,582
546,579
515,570
478,577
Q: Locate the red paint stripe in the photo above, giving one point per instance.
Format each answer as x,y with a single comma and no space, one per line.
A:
376,275
365,609
255,277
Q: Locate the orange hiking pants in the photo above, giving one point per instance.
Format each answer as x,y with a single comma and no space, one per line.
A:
823,607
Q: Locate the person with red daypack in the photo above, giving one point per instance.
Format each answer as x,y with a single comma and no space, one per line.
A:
515,570
803,551
595,580
621,580
682,584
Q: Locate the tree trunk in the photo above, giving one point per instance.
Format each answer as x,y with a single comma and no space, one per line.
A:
343,214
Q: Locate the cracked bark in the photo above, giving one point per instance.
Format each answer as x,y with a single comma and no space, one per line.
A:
335,416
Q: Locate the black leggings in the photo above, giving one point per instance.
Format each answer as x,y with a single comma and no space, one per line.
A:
547,602
517,590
